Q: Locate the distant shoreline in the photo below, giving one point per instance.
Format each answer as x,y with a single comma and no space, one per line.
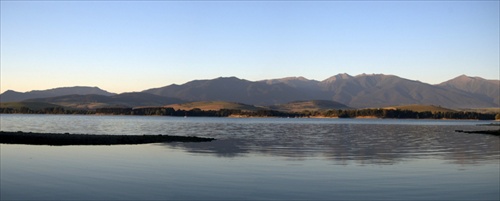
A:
252,117
403,113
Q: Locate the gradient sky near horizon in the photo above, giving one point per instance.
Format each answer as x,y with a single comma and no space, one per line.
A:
124,46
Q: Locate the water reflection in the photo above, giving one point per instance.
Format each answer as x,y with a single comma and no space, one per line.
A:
219,148
349,143
268,159
343,141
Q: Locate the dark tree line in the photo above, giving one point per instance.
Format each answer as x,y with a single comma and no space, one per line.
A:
401,114
353,113
378,113
196,112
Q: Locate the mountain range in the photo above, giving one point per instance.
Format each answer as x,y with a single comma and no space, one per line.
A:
13,96
361,91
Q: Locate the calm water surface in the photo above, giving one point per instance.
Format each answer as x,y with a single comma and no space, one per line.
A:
254,159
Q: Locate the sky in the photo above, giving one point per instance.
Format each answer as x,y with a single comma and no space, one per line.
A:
125,46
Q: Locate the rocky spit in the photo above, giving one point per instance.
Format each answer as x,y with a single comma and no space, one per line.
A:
59,139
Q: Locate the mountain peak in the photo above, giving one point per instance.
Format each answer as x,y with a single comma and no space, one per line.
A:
10,91
300,78
343,76
374,75
69,88
298,82
477,86
340,76
228,78
231,78
462,79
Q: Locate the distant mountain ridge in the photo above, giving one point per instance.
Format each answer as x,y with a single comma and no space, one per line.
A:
487,90
231,89
378,90
13,96
360,91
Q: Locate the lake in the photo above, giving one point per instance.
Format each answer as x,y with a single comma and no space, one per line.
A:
254,159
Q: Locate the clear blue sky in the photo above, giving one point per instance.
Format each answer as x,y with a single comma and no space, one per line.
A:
124,46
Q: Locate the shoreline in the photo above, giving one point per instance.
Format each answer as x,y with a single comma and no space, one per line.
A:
250,117
59,139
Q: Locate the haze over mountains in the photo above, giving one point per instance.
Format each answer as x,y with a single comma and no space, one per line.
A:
361,91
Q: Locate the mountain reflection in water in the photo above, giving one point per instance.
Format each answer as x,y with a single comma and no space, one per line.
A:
343,141
252,159
348,143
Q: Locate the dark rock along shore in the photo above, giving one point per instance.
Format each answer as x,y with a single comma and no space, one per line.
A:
87,139
488,132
